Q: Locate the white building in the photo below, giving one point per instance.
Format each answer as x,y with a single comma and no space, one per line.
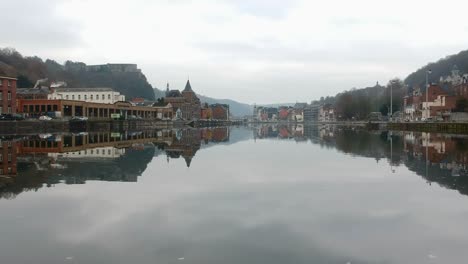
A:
95,153
455,78
93,95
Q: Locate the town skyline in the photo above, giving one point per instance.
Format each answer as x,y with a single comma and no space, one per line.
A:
250,53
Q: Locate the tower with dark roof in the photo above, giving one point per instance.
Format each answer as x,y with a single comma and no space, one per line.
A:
193,109
188,87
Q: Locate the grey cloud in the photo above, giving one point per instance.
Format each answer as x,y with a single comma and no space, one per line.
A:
263,8
355,21
35,24
271,51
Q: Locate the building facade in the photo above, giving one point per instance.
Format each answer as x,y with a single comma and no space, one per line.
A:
327,113
220,111
311,113
412,106
206,112
186,102
92,95
438,104
8,156
69,109
7,95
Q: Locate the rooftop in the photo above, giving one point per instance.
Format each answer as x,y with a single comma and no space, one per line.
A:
97,89
8,78
173,93
32,91
188,87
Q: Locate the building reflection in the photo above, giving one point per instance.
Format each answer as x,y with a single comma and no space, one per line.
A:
29,163
438,158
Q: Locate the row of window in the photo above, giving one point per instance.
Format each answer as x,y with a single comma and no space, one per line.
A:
85,97
9,157
8,96
99,152
8,83
8,110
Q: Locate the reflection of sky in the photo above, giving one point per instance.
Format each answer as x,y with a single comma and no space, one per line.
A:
264,202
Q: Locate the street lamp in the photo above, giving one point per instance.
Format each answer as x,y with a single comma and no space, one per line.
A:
427,92
391,99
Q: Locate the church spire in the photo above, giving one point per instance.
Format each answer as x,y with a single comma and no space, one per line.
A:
188,87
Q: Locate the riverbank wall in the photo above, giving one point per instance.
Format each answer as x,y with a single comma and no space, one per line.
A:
55,126
436,127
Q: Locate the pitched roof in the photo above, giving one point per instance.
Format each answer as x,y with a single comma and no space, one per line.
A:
32,91
173,93
188,87
99,89
8,78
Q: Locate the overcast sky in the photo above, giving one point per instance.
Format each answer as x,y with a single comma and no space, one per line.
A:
261,51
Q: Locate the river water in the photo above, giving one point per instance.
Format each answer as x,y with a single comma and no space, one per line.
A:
268,194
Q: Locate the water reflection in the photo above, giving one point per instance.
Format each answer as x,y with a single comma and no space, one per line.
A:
439,158
26,163
268,194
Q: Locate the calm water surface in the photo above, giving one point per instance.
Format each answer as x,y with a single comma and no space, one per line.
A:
234,195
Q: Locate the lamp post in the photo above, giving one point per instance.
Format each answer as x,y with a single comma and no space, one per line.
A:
391,100
427,92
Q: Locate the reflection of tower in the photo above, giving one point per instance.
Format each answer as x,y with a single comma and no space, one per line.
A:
186,143
254,116
188,160
8,163
427,156
390,136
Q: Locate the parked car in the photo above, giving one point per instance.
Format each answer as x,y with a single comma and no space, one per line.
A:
79,118
45,118
10,117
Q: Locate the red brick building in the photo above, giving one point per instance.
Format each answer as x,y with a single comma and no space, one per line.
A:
206,113
8,163
440,103
461,90
187,101
7,95
220,111
284,112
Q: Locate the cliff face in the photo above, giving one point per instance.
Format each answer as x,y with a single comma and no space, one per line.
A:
125,78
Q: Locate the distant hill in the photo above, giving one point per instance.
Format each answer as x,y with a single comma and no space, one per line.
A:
237,109
124,78
441,68
158,93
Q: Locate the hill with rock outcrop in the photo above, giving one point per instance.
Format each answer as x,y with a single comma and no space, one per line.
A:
124,78
441,68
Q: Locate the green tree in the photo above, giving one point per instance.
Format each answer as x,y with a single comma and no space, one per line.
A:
24,82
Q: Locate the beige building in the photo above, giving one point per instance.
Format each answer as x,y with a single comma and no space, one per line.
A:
92,95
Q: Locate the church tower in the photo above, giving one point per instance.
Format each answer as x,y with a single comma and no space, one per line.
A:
193,105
